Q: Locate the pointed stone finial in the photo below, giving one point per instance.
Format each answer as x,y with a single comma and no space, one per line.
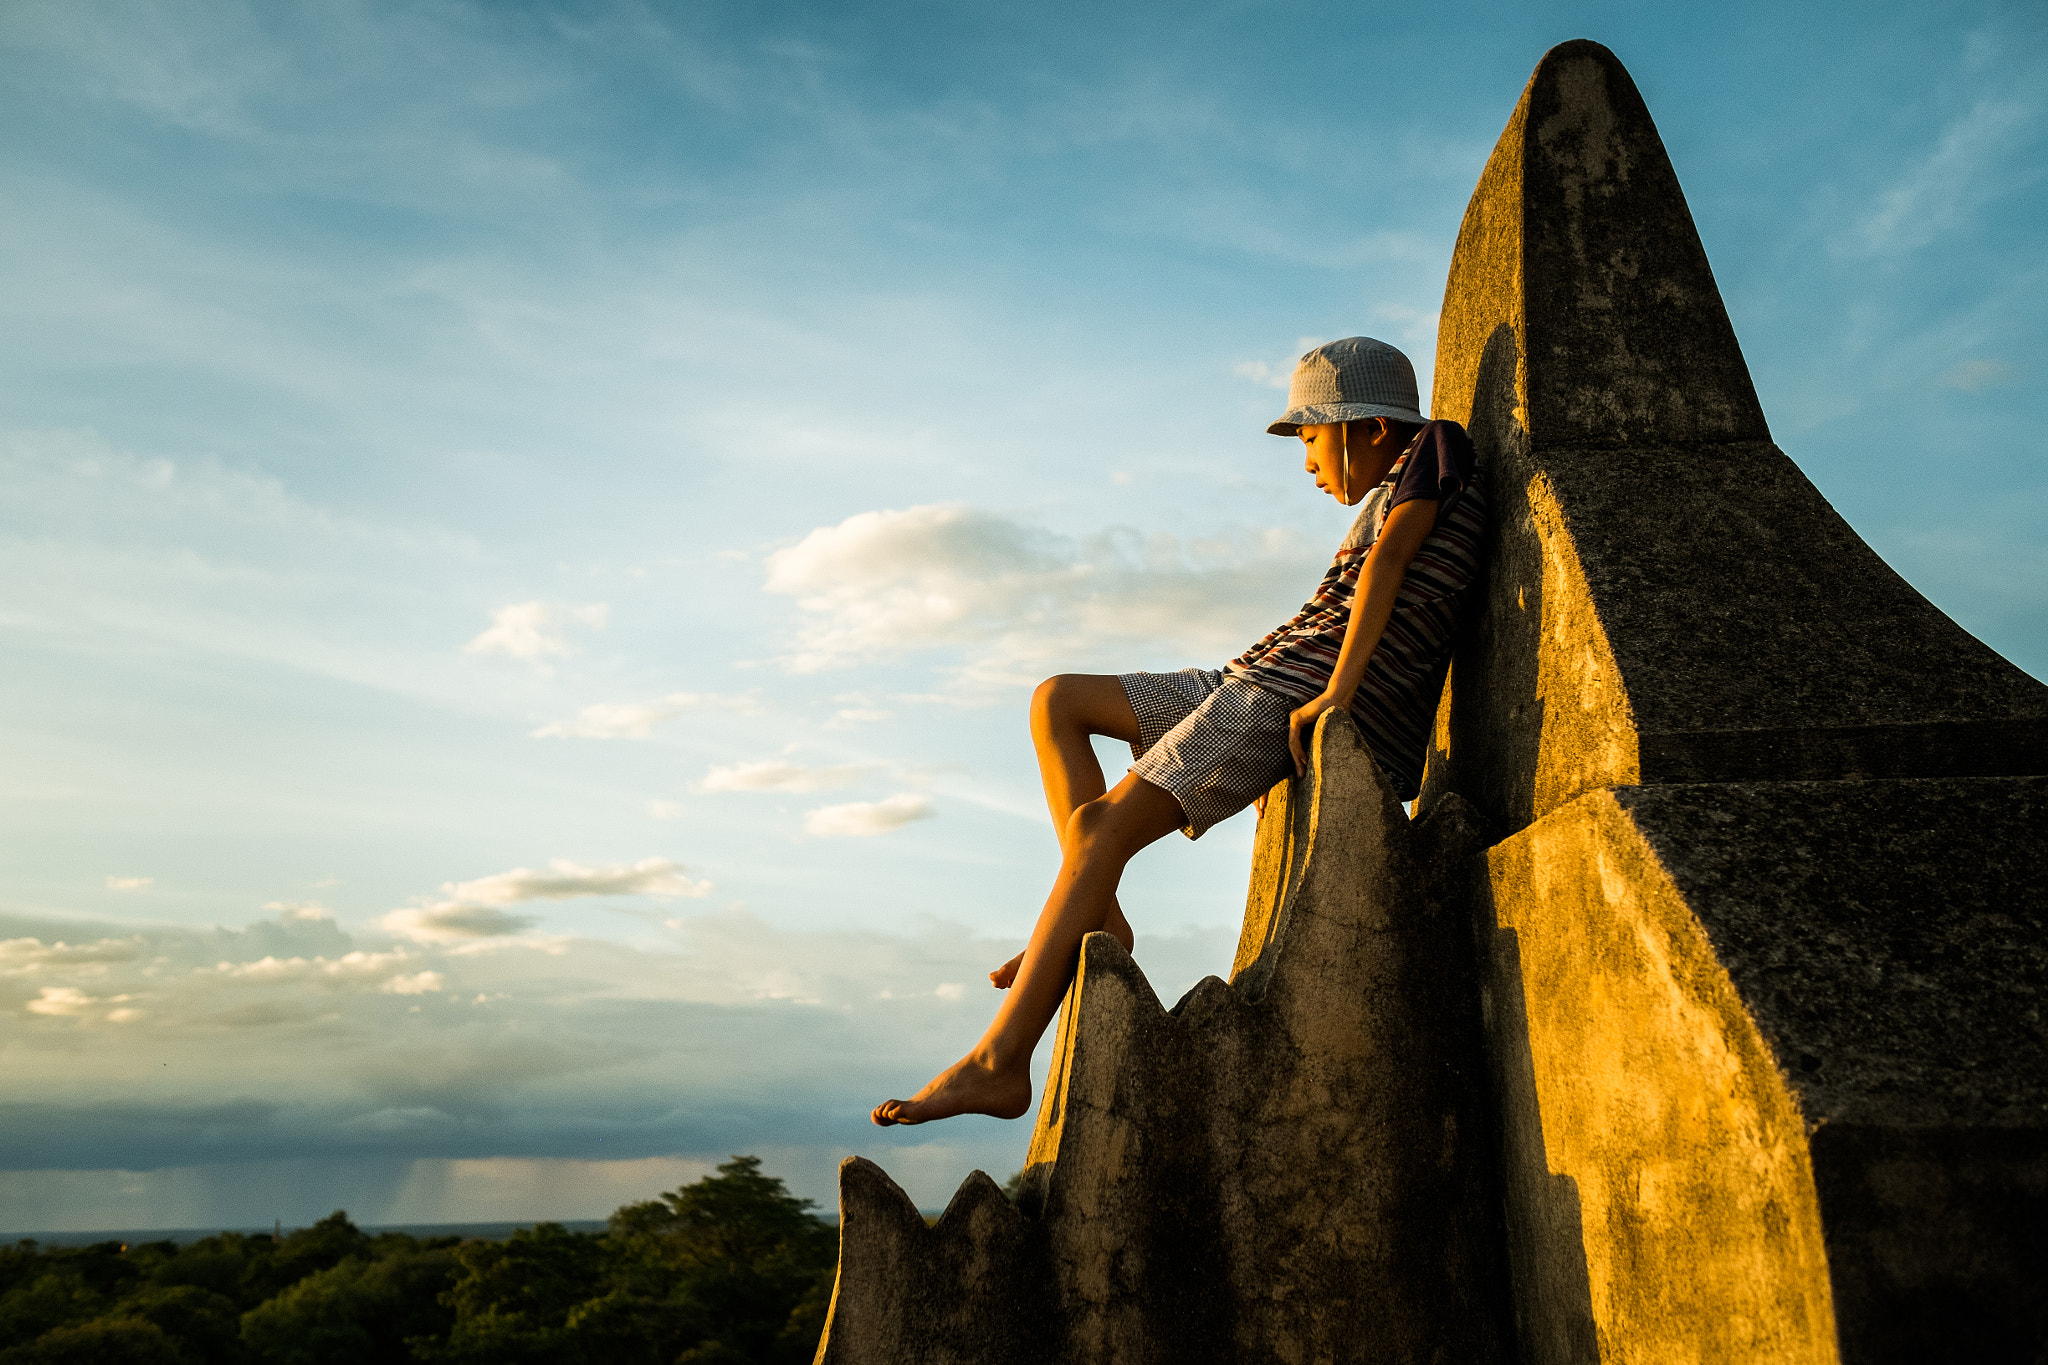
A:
1579,242
1670,600
1764,943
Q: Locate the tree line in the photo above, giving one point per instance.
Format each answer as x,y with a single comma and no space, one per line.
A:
731,1270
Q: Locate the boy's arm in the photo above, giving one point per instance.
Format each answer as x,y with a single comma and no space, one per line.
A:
1379,583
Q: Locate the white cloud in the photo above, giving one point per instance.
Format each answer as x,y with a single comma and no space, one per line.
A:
636,720
30,956
1260,372
1280,374
864,819
208,980
129,883
777,776
857,708
1017,601
1414,329
304,912
418,983
1938,193
61,1001
565,880
468,911
883,582
1975,376
349,967
69,1002
533,630
454,923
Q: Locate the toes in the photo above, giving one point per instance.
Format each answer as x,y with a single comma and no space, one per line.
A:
893,1114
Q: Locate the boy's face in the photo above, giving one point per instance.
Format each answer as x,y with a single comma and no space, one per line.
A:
1370,447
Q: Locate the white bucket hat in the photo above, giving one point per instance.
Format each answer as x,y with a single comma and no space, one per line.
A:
1343,381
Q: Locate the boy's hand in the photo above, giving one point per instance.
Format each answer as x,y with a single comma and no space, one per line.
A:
1302,721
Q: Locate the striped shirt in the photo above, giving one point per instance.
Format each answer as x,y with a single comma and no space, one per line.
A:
1396,699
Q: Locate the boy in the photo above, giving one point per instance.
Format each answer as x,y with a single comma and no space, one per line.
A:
1209,743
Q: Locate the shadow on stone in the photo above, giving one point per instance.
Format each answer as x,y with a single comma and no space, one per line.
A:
1499,648
1552,1295
1936,1242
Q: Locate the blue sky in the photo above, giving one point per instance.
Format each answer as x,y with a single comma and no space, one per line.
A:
529,527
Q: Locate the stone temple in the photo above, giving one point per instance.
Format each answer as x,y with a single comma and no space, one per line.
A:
1696,1016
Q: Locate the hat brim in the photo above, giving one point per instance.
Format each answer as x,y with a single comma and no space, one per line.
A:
1322,414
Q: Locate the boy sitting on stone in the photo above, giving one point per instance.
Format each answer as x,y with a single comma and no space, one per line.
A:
1208,743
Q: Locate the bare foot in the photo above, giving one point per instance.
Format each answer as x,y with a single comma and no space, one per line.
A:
1002,976
966,1087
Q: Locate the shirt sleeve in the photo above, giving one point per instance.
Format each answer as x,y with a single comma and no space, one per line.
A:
1439,463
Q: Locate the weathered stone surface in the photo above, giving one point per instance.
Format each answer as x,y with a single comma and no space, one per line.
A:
1774,1061
1288,1167
1670,600
1890,939
965,1290
1660,1198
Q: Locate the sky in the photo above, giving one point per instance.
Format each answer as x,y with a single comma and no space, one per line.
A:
529,529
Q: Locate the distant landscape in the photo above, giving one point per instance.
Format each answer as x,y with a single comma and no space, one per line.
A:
730,1269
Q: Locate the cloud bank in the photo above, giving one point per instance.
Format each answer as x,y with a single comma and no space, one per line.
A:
292,1041
467,911
1012,600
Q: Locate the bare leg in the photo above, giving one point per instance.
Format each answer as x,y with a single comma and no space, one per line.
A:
995,1078
1065,711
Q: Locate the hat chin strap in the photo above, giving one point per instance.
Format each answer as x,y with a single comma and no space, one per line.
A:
1344,455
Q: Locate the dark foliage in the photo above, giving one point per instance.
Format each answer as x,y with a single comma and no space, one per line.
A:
731,1269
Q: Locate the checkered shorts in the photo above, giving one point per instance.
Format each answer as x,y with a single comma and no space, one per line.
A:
1216,743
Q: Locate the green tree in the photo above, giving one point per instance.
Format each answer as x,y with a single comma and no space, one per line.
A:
102,1341
732,1268
513,1300
749,1262
327,1243
60,1287
220,1263
204,1325
359,1312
